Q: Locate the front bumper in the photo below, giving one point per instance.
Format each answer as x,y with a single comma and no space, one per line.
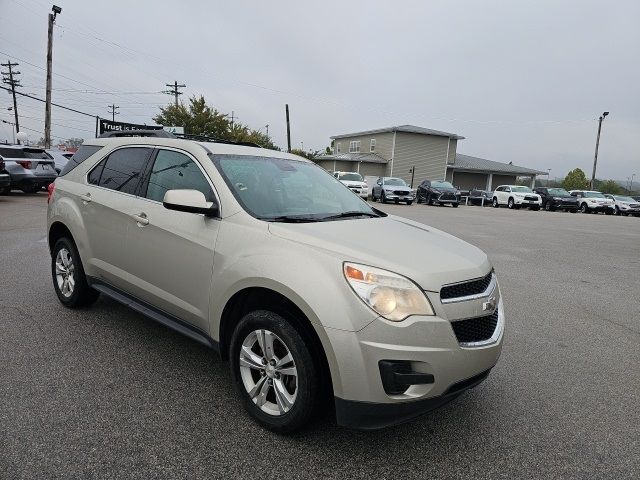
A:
5,180
630,211
431,347
403,198
527,203
600,208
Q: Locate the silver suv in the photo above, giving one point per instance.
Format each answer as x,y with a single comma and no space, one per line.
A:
315,297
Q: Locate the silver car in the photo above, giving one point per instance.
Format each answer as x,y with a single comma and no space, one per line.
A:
30,168
311,294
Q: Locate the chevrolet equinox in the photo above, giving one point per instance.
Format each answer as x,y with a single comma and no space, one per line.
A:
315,298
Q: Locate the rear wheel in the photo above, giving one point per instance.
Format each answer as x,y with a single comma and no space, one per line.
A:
5,190
69,280
274,372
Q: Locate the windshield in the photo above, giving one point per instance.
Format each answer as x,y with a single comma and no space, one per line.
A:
354,177
280,189
521,189
558,192
594,195
441,185
395,181
623,199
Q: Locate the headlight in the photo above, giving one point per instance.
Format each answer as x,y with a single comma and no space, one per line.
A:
558,199
519,195
391,295
591,200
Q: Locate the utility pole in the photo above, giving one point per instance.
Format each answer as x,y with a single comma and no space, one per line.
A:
288,129
595,157
47,106
113,111
233,118
13,83
173,90
267,127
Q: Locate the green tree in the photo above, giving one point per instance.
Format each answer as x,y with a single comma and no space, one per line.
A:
575,180
198,118
73,142
611,186
306,154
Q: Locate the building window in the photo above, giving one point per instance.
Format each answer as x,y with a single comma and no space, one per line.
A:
354,146
338,147
372,145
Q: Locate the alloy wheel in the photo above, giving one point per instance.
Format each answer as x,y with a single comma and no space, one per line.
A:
65,272
268,372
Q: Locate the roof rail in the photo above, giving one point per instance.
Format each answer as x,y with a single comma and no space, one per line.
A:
137,133
206,138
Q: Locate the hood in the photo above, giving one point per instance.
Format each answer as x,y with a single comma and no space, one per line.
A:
445,189
429,257
399,188
354,183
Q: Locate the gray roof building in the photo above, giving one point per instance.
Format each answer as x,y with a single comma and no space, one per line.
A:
401,128
472,164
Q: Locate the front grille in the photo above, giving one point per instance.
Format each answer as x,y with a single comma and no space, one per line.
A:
530,198
400,192
474,287
447,196
475,329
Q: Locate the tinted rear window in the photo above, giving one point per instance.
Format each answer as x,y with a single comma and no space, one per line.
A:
84,152
31,153
122,169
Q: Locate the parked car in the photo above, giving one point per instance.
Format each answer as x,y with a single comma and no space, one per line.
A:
30,168
636,198
516,196
60,158
354,181
438,192
306,299
592,201
392,189
480,197
624,205
557,199
5,180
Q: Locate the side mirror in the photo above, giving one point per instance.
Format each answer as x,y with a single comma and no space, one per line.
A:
190,201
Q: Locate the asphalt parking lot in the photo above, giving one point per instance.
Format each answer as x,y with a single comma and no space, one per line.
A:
106,393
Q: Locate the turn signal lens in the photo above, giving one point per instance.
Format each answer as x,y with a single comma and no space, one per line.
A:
388,294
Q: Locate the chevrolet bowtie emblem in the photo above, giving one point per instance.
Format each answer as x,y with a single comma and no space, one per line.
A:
490,304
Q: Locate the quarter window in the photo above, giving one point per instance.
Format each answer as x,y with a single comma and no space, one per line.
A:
354,146
121,171
372,145
173,170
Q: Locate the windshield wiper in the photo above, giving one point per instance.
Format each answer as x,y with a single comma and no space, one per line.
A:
291,219
350,214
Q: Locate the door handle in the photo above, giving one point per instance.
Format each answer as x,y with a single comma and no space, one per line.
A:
86,197
141,219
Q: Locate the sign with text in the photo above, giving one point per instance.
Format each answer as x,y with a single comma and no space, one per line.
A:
178,130
111,126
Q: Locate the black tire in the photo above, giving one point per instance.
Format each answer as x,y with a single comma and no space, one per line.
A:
584,208
82,294
511,203
548,207
608,212
409,202
373,196
616,211
308,384
573,210
535,209
418,198
429,200
494,202
5,190
30,188
383,199
455,205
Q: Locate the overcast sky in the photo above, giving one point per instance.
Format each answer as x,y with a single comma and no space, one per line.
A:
523,81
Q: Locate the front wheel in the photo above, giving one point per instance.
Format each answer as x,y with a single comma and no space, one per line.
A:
409,202
455,205
5,190
69,280
418,198
495,202
274,372
535,209
373,196
584,208
511,204
383,198
30,188
616,211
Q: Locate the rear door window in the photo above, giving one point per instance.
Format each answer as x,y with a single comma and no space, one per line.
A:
121,170
174,170
84,152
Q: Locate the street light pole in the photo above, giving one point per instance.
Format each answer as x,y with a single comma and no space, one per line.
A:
595,157
47,108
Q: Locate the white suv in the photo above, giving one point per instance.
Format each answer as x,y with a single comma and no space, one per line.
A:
590,201
354,181
516,196
260,255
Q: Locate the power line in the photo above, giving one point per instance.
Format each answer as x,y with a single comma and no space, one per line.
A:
174,90
54,104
